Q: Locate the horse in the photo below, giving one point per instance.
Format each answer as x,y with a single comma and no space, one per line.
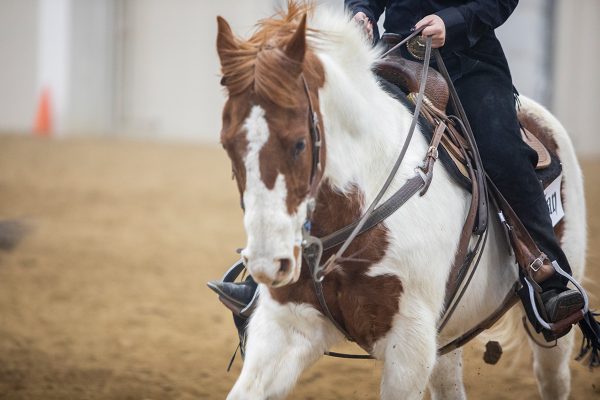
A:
388,293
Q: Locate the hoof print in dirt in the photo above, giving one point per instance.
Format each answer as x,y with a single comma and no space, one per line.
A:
12,231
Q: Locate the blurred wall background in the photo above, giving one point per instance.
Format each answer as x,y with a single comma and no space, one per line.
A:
148,68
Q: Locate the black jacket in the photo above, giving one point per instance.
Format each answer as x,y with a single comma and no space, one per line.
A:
469,26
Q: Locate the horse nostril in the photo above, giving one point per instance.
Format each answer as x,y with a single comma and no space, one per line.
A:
284,266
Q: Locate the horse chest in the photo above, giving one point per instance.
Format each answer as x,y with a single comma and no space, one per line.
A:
364,305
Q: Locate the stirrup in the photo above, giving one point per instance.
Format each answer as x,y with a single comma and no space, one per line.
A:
230,276
554,330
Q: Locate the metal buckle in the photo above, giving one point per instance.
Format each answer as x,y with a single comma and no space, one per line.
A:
433,152
538,262
503,220
312,249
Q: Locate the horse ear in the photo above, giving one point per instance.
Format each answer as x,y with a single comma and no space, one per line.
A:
296,47
225,38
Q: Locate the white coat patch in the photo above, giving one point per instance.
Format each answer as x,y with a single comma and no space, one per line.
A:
257,132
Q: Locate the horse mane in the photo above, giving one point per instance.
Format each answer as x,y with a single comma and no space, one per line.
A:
260,63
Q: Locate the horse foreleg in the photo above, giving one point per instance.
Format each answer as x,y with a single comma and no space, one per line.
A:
282,342
408,352
446,381
551,367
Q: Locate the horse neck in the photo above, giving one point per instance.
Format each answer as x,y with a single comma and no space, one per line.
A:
365,129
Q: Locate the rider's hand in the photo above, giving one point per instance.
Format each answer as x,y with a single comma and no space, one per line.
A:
365,23
435,28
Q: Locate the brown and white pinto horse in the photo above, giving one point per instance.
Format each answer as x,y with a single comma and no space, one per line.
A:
389,292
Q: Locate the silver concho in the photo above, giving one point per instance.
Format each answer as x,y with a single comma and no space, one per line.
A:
416,47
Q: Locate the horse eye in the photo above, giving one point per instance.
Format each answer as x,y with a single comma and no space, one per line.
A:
299,147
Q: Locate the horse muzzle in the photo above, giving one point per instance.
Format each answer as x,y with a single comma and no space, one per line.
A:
274,272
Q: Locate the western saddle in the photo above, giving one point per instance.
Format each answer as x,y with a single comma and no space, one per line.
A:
457,141
406,74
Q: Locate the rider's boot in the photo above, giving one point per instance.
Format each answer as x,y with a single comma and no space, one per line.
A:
559,302
235,295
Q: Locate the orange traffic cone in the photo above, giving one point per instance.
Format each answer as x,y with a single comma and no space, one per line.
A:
43,117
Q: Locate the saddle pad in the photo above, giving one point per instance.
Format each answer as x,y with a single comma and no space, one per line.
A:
532,141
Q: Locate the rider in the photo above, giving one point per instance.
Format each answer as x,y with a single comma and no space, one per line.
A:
464,33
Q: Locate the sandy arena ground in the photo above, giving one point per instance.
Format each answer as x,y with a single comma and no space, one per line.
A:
105,298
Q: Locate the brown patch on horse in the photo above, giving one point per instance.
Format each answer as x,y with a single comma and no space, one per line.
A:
290,131
233,136
365,306
544,135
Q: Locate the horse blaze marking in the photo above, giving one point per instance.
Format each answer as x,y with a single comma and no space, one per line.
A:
554,201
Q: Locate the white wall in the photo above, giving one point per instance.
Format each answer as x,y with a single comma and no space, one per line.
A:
64,46
577,82
91,88
524,38
170,84
18,64
149,67
54,58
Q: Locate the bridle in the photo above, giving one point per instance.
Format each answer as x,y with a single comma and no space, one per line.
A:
315,137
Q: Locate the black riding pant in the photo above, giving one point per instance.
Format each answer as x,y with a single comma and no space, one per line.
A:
488,98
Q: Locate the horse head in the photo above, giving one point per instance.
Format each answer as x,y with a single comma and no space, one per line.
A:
271,132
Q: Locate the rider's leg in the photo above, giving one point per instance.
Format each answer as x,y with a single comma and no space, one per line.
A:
487,95
283,340
408,351
446,380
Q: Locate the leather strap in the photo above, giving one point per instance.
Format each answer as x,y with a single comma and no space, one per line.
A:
482,213
465,261
405,40
432,155
318,285
387,208
315,137
530,258
509,300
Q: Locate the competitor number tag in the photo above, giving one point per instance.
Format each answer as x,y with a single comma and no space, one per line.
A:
554,201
